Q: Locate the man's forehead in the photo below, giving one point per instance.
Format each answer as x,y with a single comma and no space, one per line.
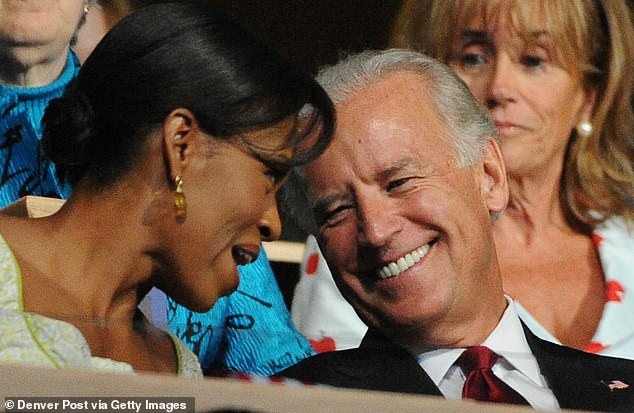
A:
389,125
390,86
398,101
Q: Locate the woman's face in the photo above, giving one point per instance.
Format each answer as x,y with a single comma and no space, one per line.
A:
43,23
231,208
533,100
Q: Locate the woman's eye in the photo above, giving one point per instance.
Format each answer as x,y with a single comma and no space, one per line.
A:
472,59
532,61
276,176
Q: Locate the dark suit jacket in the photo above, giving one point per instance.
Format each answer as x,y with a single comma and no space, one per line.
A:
579,380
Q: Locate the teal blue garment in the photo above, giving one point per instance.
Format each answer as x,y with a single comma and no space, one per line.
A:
250,331
23,170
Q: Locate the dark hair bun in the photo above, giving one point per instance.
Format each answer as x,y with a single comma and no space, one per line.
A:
68,131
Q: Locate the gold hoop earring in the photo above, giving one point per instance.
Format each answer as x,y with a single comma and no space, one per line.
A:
179,201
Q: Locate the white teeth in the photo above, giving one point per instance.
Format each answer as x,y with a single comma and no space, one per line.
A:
393,268
415,255
403,263
247,257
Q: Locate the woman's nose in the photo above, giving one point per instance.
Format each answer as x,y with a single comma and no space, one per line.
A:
502,82
270,225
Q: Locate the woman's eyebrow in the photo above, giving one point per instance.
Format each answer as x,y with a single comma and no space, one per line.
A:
480,36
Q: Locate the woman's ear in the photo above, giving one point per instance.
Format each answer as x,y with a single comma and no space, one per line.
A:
180,130
494,185
588,105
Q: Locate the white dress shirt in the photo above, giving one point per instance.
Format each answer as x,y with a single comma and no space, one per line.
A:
517,366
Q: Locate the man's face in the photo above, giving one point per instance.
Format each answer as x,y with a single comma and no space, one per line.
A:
407,232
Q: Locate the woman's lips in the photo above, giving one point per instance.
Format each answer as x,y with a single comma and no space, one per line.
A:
244,254
507,127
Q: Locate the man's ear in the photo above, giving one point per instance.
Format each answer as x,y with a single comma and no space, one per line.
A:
494,185
180,130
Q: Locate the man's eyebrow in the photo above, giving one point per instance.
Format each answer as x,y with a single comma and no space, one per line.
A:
403,164
321,204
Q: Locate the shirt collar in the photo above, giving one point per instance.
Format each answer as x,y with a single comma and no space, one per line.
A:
507,339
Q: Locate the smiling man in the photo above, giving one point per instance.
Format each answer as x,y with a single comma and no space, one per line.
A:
404,202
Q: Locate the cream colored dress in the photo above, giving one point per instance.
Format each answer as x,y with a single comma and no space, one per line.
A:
35,340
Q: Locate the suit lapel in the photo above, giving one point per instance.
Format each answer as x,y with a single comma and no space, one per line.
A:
382,365
581,380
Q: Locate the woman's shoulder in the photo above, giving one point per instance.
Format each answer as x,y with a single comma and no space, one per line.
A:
37,340
33,339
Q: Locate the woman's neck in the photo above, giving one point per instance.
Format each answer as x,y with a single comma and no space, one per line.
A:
535,205
31,66
111,257
92,256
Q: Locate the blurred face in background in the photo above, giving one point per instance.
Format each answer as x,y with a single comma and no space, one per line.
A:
514,67
47,23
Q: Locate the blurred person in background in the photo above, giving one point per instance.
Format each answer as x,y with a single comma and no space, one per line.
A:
101,17
36,65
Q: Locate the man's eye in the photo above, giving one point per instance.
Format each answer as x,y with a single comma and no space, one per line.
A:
332,217
396,183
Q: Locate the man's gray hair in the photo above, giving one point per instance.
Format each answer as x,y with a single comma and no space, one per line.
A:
468,123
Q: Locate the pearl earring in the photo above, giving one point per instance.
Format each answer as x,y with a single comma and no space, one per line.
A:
584,129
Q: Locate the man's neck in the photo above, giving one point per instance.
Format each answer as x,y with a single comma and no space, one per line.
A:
466,332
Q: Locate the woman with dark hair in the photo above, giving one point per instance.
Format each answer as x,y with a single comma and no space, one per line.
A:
175,137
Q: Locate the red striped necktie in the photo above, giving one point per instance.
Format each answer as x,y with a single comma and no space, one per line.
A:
481,383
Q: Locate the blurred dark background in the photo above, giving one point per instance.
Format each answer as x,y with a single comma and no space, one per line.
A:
316,32
311,33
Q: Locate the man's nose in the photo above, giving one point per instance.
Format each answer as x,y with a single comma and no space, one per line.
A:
376,222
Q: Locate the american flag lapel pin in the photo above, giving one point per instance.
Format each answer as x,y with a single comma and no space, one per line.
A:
615,384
